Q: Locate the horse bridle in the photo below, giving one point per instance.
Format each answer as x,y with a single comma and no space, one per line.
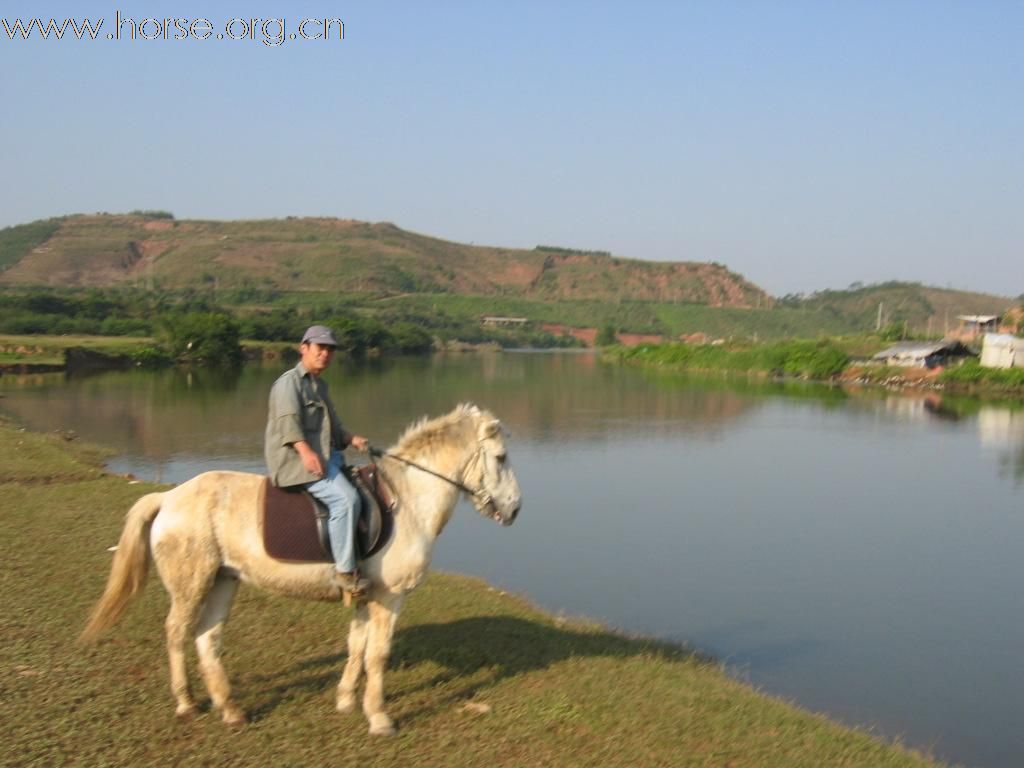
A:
485,498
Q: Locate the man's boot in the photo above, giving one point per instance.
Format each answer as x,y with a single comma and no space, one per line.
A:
352,583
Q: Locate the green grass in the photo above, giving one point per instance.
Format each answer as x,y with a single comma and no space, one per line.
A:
970,375
50,350
559,693
806,358
670,319
16,241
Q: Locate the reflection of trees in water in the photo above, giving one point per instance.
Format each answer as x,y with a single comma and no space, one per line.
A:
543,397
937,407
1002,427
155,413
1013,463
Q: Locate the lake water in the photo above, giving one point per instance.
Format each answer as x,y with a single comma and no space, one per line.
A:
856,553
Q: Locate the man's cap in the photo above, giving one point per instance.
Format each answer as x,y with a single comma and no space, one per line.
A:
319,334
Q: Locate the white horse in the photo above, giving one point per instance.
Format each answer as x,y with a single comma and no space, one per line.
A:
205,535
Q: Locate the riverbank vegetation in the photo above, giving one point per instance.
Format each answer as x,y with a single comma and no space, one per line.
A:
972,376
43,350
837,359
477,676
362,324
809,359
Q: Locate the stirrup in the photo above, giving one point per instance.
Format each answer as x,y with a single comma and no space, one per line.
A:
352,583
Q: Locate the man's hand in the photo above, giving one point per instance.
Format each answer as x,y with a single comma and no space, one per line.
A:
360,443
310,459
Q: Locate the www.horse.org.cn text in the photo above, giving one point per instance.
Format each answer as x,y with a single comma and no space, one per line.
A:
270,32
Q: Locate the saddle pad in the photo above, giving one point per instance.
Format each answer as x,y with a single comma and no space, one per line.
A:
291,530
295,524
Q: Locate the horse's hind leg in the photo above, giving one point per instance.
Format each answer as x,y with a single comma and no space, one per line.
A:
187,575
180,620
209,632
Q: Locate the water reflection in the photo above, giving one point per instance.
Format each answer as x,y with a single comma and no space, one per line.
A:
545,398
1003,430
218,415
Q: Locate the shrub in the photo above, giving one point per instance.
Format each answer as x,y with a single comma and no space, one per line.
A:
150,357
210,338
152,214
276,325
410,339
606,336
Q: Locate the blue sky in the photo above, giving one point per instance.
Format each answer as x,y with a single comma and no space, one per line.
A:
805,145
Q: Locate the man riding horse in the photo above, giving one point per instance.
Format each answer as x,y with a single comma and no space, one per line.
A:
303,447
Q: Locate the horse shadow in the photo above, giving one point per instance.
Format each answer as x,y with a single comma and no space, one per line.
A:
471,655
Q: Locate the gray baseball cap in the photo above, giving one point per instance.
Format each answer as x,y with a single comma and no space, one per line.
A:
319,334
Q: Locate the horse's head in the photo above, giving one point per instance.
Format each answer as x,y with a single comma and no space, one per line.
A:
496,489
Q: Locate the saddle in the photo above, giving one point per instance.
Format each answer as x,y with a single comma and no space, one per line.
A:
295,524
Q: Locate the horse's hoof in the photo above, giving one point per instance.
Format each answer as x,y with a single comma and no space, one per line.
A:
235,717
382,725
346,703
186,714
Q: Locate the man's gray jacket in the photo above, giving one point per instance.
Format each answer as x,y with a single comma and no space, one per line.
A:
299,409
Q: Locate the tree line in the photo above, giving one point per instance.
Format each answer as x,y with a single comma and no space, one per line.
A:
190,326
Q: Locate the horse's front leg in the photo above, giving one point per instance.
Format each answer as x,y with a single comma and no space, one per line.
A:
357,630
383,610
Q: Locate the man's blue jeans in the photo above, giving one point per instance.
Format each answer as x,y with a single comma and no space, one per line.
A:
343,506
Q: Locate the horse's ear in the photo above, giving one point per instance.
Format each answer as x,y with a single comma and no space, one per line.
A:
490,429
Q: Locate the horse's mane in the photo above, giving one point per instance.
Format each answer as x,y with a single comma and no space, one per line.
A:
430,434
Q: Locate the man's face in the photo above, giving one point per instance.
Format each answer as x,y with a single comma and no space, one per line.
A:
316,357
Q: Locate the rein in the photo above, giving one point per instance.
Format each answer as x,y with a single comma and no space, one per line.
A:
480,493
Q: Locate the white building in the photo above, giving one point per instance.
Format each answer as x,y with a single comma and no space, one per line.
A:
1001,350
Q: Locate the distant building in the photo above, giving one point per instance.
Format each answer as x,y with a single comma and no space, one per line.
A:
972,326
924,354
1001,350
504,321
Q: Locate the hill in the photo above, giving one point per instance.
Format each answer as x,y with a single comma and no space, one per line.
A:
925,310
324,267
340,256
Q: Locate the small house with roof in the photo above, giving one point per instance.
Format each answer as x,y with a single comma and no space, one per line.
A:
972,326
924,354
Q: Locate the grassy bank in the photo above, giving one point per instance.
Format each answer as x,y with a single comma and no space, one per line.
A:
971,377
806,358
544,691
831,359
50,350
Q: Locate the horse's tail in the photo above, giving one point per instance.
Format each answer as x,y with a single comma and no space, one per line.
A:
129,569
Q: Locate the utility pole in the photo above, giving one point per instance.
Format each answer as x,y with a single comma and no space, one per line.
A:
878,323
